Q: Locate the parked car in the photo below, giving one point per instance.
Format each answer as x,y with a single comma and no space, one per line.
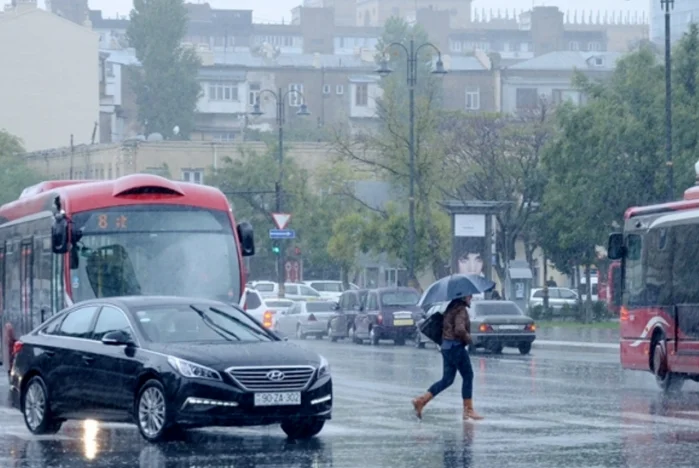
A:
347,308
389,314
558,297
330,289
166,364
499,324
254,304
293,291
304,319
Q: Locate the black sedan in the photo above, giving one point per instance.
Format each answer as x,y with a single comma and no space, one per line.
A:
166,364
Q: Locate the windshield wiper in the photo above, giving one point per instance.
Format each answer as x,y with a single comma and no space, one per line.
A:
240,322
214,326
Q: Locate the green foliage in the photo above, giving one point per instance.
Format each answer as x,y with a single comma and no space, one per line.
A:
313,212
166,83
15,175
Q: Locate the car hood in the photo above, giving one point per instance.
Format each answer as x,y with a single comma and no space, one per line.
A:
224,355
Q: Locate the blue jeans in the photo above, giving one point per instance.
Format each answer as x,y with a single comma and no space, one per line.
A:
455,359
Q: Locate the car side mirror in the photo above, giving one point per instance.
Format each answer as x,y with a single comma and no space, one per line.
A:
117,338
59,234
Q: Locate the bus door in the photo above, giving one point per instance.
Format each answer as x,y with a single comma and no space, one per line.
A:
25,284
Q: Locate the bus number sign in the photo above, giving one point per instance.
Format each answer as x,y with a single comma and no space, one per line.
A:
119,223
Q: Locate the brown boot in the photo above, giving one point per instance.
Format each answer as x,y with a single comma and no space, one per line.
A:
420,402
469,412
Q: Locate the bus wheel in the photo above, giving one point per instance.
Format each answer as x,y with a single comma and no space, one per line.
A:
669,382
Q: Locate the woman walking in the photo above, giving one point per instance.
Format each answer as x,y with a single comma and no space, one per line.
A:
456,335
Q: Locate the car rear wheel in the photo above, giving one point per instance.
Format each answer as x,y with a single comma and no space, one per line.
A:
37,409
303,429
524,348
496,348
399,342
153,412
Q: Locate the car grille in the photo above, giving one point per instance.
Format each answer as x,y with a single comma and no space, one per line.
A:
272,379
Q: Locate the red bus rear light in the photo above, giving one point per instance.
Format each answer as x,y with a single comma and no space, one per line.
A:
17,347
312,318
624,314
267,319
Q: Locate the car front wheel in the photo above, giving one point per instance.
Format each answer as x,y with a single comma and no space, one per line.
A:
303,429
152,412
37,409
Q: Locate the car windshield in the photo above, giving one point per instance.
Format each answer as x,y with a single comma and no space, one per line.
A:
496,308
400,298
319,307
156,250
185,323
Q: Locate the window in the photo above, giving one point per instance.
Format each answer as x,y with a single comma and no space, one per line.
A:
372,302
195,176
295,95
473,99
252,301
633,288
306,291
326,89
594,47
560,96
291,289
253,93
574,45
500,308
400,298
77,323
567,294
51,328
339,89
527,98
223,91
319,307
111,319
223,136
361,97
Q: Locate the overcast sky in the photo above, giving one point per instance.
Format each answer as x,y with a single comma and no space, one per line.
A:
273,11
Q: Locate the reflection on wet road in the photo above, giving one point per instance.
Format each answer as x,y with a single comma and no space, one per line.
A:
554,408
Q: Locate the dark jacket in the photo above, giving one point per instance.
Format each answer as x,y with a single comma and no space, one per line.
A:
457,324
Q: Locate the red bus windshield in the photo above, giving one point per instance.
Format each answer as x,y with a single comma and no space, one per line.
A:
155,250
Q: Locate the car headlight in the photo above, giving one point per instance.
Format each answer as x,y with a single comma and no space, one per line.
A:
192,370
323,368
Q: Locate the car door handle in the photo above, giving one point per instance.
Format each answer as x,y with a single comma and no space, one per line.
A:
88,359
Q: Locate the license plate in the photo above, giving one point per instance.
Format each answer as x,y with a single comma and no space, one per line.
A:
510,327
278,399
404,322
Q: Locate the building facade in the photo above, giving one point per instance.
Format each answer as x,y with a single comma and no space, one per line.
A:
49,85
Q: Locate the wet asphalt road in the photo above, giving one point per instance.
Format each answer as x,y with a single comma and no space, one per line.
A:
556,408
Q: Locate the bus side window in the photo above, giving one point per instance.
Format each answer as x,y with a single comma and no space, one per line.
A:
57,282
42,278
12,284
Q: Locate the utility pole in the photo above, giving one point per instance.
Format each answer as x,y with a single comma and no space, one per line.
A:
412,54
668,5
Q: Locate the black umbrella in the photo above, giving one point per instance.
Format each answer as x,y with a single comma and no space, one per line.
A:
445,290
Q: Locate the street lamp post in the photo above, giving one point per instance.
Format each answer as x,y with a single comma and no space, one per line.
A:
412,55
668,5
279,97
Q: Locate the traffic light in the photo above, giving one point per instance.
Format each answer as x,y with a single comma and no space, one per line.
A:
275,249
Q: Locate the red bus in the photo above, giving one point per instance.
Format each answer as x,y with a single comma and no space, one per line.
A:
63,242
659,314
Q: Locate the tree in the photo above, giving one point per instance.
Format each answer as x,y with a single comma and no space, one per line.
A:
345,243
166,83
15,175
386,151
497,158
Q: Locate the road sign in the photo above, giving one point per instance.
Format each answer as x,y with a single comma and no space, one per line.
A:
281,220
282,234
293,271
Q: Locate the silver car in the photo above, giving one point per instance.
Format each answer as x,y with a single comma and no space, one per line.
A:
305,318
